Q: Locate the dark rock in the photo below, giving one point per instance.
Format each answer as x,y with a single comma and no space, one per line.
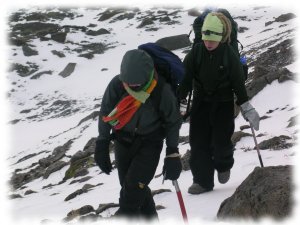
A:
69,28
27,51
75,194
19,179
264,117
58,53
174,42
14,196
26,111
16,17
79,212
124,16
237,136
28,192
266,192
79,155
81,172
109,13
59,37
84,179
29,156
56,166
35,29
38,75
260,71
159,207
194,12
79,167
44,17
242,29
159,191
68,70
92,25
90,186
18,41
87,55
103,207
60,15
293,121
276,143
244,127
36,16
24,70
57,154
145,22
97,32
92,48
185,161
14,121
94,115
285,17
285,75
282,18
164,19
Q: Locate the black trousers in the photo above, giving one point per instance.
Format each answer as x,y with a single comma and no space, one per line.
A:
211,128
136,163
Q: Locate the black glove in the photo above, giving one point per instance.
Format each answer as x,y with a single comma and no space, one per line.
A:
101,156
172,164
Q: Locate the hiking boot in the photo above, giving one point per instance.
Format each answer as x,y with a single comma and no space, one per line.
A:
223,177
196,189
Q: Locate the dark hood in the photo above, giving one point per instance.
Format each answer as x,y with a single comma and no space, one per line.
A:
136,67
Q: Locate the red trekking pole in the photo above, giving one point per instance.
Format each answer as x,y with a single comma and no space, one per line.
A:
180,199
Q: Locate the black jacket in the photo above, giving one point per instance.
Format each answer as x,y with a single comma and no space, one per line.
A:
148,118
214,75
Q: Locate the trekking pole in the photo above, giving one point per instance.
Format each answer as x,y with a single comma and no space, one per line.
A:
180,199
256,146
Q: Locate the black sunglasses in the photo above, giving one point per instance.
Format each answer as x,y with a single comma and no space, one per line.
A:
209,32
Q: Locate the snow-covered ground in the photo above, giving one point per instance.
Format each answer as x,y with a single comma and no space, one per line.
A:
88,83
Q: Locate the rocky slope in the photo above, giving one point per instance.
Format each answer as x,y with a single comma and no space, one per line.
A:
41,38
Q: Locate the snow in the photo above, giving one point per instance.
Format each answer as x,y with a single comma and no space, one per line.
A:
88,82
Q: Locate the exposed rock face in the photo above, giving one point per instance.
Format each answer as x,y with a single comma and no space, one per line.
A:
68,70
266,192
174,42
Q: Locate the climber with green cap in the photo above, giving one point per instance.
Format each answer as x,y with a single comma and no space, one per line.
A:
130,114
214,85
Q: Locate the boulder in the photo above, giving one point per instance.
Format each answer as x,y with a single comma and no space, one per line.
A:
174,42
59,37
68,70
266,192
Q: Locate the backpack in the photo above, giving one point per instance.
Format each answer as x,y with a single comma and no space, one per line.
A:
167,64
197,26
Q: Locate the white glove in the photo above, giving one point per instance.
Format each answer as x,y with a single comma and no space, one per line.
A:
183,106
250,114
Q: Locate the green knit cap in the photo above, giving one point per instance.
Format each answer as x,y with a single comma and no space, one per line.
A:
212,29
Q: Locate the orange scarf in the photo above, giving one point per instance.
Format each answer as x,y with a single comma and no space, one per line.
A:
125,109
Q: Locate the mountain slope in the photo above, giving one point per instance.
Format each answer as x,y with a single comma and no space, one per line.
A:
54,117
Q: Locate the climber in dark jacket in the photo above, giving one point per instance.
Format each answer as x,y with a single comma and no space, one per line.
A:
212,113
139,122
